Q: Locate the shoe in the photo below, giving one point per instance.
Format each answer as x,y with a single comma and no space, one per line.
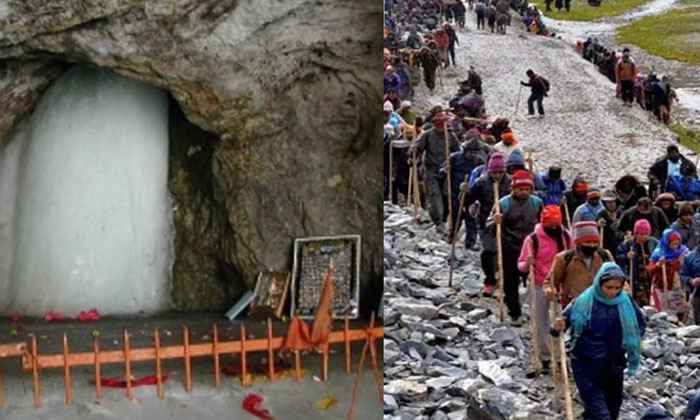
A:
541,115
487,290
545,367
516,322
472,247
530,115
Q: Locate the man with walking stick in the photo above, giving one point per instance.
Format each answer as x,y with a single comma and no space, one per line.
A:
519,213
432,143
462,164
539,87
483,192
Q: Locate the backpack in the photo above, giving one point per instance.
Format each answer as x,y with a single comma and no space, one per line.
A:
570,255
545,84
505,204
536,242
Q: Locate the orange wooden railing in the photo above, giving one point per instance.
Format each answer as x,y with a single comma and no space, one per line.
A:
32,360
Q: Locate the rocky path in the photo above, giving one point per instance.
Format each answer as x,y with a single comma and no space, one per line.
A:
446,354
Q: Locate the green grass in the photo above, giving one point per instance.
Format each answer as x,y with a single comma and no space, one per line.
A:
674,35
581,11
689,138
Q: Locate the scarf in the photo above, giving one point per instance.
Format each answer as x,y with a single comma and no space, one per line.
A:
582,308
663,250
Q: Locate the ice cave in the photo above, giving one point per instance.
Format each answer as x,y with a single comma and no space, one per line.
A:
85,212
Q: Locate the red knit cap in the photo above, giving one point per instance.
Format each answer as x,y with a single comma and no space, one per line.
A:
551,216
521,178
674,236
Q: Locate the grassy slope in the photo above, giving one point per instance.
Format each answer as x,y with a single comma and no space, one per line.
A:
674,35
581,11
689,138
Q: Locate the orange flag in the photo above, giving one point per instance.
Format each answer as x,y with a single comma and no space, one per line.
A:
323,320
298,336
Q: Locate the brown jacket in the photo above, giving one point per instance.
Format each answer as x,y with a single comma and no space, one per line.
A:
574,278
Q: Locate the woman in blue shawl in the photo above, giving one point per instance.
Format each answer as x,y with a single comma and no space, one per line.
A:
606,328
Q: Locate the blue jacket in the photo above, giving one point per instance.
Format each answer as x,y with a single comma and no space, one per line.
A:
603,338
476,173
460,167
627,246
553,190
691,267
392,82
586,213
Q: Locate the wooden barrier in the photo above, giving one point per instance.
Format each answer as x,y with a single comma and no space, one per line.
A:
35,362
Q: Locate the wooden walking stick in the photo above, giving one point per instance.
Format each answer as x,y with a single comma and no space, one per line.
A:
687,307
568,217
499,250
409,199
631,277
416,187
391,169
602,236
663,278
530,163
535,354
552,355
462,195
517,103
448,172
565,375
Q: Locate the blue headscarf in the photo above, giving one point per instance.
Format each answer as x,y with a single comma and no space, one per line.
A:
582,308
663,250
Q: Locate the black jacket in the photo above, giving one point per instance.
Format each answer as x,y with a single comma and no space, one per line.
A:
630,199
659,171
657,220
536,86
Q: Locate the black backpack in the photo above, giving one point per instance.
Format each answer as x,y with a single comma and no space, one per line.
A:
570,255
545,84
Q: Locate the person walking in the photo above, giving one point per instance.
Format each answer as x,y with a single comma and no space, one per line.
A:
432,143
538,251
607,327
520,212
573,270
539,86
481,193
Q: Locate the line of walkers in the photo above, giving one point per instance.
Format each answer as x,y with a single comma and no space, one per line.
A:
649,91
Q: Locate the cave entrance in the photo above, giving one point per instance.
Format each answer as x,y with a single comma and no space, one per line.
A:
108,202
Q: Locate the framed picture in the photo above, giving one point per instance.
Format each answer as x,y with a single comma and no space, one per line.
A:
312,257
270,294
